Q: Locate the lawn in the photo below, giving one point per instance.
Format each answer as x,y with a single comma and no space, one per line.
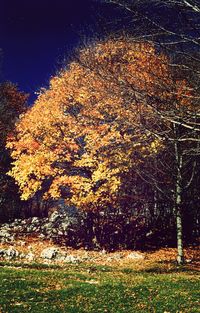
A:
41,288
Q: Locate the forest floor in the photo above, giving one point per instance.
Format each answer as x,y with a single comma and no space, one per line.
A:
138,260
104,282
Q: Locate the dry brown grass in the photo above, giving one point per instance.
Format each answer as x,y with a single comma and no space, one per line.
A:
166,257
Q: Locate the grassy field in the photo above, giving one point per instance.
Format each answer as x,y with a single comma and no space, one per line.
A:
41,288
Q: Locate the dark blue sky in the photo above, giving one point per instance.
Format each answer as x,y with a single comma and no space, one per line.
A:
35,36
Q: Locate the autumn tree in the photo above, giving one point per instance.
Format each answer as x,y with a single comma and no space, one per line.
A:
12,104
100,119
84,121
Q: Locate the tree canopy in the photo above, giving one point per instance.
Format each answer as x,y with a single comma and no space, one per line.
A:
84,133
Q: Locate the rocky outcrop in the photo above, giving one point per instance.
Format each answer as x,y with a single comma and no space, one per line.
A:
58,227
47,254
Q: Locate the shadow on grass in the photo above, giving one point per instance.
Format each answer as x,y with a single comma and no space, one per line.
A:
161,267
39,266
70,266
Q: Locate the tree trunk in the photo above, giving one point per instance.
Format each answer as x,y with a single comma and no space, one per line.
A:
180,256
178,206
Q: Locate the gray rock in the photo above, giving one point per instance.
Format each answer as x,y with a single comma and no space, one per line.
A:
23,222
7,240
61,258
135,256
72,259
35,220
2,252
11,253
4,233
5,227
35,229
48,225
65,225
53,227
49,253
54,216
16,228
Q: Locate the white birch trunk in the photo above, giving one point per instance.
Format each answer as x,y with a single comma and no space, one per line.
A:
178,203
180,256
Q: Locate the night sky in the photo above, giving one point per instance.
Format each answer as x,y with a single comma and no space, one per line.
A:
36,37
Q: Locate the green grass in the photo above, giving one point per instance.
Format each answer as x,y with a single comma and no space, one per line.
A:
80,288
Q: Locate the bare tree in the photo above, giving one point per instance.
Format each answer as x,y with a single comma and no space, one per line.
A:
174,28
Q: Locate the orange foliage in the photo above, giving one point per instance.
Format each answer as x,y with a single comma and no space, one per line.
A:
85,131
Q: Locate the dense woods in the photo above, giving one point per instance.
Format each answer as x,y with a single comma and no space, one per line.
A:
116,134
12,104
